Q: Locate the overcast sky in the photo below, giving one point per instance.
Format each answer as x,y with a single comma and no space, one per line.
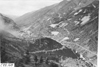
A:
20,7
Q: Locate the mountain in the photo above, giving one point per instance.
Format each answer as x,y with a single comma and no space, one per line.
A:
8,26
60,35
11,16
32,16
73,23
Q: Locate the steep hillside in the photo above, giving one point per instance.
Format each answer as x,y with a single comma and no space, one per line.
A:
8,26
72,23
32,16
62,35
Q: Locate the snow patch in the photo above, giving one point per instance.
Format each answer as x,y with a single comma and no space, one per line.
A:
53,25
76,39
85,20
55,32
66,38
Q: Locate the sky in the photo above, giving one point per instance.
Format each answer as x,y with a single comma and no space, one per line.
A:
20,7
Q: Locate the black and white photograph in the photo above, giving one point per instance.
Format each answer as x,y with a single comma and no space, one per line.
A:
49,33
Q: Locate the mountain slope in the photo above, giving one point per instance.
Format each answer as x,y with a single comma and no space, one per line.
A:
31,17
8,26
73,24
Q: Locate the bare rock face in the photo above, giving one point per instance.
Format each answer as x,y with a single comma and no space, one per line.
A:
62,35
